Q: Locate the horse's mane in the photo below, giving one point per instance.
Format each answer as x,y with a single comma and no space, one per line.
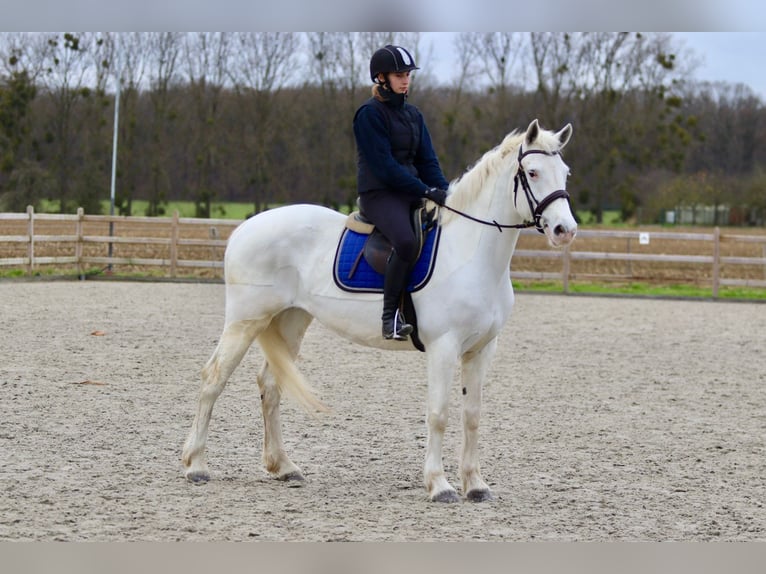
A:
466,189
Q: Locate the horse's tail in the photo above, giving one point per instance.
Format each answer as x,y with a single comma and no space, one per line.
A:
289,379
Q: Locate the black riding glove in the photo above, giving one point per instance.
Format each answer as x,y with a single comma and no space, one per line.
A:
438,196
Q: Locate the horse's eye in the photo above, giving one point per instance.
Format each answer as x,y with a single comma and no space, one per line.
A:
532,173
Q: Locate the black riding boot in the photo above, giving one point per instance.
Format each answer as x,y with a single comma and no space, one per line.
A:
397,273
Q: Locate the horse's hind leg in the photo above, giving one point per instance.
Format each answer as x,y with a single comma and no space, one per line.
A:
286,329
232,346
474,369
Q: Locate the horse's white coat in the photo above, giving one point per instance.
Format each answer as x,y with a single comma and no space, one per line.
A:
278,269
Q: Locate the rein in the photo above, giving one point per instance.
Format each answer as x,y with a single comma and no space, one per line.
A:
535,207
492,223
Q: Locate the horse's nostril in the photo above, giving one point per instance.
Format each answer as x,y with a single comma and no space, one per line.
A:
559,230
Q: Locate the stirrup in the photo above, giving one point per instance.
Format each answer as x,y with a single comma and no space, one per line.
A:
399,330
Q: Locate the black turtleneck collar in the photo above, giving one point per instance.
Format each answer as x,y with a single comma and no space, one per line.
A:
392,99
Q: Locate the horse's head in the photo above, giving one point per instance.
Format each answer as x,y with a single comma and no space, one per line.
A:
542,177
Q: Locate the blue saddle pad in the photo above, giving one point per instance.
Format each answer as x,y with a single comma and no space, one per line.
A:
365,279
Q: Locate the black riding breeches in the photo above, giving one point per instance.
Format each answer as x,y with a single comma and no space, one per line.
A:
390,212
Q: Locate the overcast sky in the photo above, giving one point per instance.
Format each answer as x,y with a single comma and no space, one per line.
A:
728,35
732,57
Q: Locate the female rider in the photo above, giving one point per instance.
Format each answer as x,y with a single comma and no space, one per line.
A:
397,168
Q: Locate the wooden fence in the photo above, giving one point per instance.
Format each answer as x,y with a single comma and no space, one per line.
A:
82,241
714,258
183,247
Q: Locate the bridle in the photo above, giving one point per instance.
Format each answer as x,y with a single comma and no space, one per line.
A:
535,207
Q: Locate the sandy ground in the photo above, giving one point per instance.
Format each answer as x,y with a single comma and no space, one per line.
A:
605,419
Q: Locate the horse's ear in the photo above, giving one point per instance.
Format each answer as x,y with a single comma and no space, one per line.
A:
532,132
564,134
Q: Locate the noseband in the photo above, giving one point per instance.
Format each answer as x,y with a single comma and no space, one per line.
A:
536,208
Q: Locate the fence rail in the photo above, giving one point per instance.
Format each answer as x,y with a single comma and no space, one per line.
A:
96,240
178,246
714,267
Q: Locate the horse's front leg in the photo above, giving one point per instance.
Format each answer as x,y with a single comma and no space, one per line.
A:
474,369
442,364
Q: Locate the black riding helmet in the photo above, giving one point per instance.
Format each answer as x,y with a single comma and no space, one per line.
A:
390,59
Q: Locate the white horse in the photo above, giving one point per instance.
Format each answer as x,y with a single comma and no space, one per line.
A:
278,269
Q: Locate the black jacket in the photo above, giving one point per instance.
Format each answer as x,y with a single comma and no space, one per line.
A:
394,149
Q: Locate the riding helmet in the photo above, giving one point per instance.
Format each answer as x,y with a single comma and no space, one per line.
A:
391,59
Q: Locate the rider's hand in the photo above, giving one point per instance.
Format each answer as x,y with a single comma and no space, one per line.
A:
438,196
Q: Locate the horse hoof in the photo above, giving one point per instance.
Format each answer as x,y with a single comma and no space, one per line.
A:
198,477
446,496
480,495
293,479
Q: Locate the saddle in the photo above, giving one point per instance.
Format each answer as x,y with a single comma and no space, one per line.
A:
377,248
360,260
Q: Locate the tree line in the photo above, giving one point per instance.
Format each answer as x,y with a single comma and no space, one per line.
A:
266,117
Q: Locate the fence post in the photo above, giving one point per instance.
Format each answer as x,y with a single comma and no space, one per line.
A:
78,245
716,260
110,249
763,248
31,234
174,244
565,269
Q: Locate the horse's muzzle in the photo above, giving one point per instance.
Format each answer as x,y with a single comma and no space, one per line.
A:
561,234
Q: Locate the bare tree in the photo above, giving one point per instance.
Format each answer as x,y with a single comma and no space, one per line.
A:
459,129
326,65
23,180
498,58
623,82
500,53
162,64
207,57
92,186
24,51
263,64
65,74
371,41
326,51
130,54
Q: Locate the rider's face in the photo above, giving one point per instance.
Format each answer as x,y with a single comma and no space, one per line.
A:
399,82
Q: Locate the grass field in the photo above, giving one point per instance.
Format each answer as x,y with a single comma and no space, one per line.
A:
219,210
644,290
